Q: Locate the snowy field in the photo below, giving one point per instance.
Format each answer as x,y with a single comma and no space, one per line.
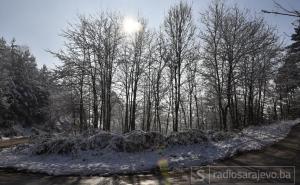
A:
108,161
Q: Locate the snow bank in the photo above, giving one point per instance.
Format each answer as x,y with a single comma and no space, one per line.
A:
114,157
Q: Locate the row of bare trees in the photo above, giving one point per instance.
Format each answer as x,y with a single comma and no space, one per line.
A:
164,80
90,58
239,57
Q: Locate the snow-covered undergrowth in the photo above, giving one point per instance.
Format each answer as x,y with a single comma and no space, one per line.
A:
106,153
135,141
17,131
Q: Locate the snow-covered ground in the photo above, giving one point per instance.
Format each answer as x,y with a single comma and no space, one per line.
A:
2,138
112,162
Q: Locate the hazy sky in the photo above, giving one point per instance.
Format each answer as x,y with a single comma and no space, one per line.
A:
38,23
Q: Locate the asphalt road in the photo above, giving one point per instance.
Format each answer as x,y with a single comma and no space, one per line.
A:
283,153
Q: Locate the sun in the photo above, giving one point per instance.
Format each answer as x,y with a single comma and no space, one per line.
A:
131,25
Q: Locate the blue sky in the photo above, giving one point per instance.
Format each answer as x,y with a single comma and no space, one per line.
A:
38,23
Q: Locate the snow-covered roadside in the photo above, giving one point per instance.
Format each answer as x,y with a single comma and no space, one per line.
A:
2,138
112,162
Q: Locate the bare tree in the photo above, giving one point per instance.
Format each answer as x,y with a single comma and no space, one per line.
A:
180,31
232,39
283,11
136,58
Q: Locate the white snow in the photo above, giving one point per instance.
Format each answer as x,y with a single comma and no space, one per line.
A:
104,162
2,138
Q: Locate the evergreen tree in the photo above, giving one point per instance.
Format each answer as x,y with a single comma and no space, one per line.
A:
288,79
24,100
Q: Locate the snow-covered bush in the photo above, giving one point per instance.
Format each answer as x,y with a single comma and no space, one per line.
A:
138,140
186,137
117,144
155,139
8,132
219,135
134,141
98,141
62,145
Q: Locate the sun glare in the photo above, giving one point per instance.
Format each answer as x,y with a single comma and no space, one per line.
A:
131,25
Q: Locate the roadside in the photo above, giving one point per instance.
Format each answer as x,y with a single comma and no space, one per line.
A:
13,141
284,153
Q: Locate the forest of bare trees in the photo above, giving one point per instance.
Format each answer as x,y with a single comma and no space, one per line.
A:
179,77
223,69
